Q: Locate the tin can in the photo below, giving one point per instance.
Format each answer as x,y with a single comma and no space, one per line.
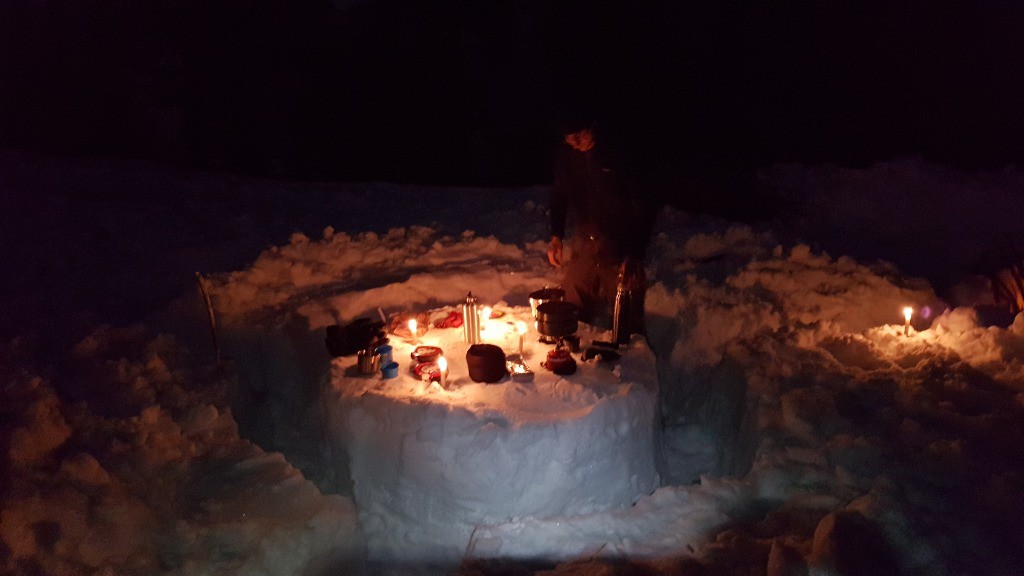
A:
368,361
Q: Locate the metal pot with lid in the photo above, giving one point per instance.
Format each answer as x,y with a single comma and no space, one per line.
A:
557,319
543,295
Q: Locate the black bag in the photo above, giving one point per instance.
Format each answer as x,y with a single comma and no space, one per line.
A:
358,334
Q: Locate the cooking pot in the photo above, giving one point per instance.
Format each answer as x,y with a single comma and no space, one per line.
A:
557,319
545,295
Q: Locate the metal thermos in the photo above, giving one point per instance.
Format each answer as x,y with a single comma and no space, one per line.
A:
620,316
471,320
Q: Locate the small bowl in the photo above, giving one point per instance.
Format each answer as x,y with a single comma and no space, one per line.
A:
390,370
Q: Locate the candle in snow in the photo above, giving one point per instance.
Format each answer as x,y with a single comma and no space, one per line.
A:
485,316
412,329
907,313
442,365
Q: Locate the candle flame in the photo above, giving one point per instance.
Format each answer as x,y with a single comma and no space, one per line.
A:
907,313
412,326
521,327
442,364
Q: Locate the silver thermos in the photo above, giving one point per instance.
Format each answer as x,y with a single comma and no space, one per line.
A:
471,320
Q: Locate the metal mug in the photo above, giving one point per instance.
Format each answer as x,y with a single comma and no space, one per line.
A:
368,361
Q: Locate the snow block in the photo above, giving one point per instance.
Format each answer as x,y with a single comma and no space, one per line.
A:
429,465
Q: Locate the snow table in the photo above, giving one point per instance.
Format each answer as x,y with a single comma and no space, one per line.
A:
430,464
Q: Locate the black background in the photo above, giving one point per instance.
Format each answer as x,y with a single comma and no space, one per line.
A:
468,93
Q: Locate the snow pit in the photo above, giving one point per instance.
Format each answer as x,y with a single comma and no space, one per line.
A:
430,464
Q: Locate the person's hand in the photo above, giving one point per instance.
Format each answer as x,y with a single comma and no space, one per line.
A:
555,252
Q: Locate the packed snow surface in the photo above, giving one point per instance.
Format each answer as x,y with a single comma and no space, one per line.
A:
430,464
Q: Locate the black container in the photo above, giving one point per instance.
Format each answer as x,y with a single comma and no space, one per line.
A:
557,319
486,363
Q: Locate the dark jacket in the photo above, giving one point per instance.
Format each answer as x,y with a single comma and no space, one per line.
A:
600,193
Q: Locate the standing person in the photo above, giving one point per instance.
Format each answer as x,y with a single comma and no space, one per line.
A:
597,193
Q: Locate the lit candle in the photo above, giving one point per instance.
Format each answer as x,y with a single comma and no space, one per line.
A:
907,313
485,316
521,328
412,330
442,365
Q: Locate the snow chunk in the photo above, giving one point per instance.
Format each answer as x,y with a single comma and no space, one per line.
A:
42,430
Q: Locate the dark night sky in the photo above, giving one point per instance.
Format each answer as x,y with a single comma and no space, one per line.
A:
459,92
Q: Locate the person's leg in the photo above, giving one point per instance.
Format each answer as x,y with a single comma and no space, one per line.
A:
607,273
581,281
638,324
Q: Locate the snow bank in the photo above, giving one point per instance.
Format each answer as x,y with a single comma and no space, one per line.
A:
273,317
146,474
785,383
805,433
793,373
667,523
726,308
306,270
552,447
